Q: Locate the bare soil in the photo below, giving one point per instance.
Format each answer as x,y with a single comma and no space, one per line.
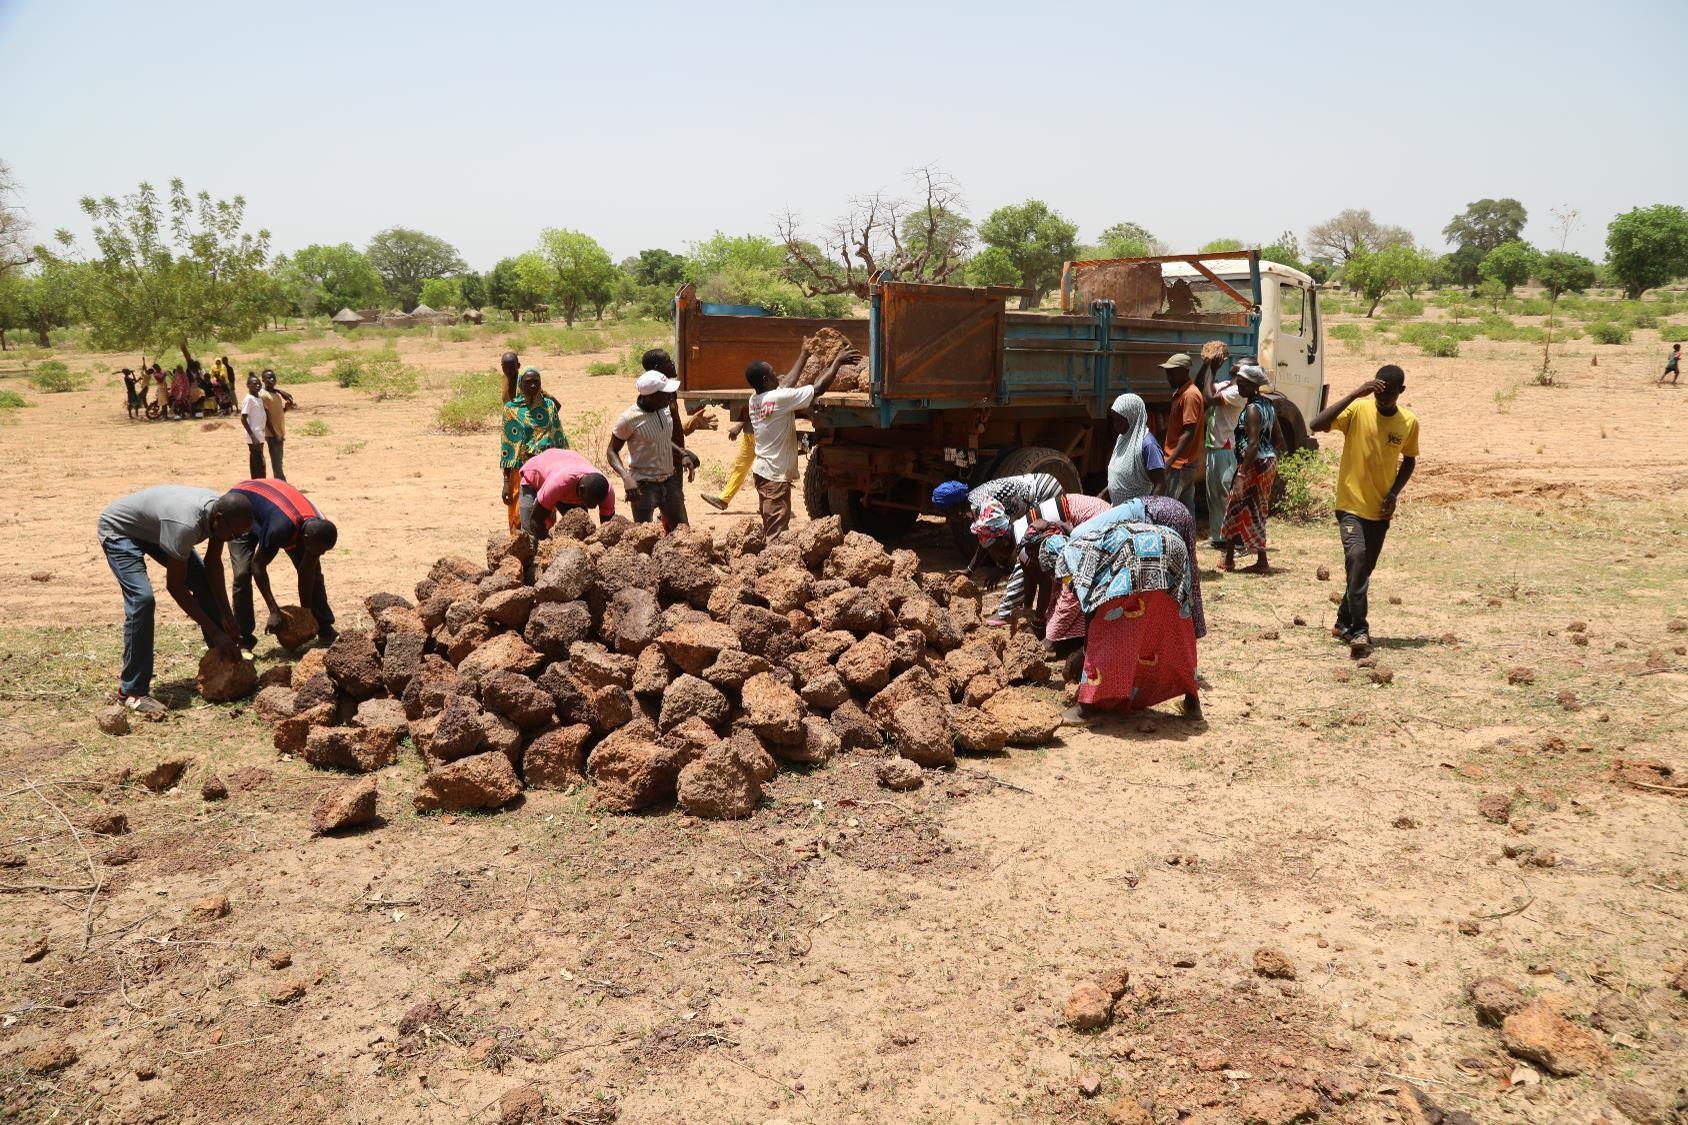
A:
851,953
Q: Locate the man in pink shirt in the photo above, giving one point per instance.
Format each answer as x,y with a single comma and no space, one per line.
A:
558,480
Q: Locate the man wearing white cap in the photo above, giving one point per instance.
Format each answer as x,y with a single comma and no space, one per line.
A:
655,452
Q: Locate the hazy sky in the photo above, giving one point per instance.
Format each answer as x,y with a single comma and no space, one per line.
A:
655,124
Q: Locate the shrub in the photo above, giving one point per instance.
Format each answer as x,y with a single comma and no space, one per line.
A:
1443,347
589,436
1459,310
316,427
387,376
1497,327
1609,332
474,404
1534,306
11,400
1531,334
459,335
1640,319
1305,478
54,378
348,371
1349,334
603,367
1403,308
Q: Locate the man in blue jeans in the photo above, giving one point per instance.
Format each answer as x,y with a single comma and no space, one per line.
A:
165,524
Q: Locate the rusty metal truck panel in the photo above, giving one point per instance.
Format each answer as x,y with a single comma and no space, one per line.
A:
937,342
712,350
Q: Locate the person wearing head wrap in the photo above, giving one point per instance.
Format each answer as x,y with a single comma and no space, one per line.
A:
1016,496
532,424
991,523
1257,471
1224,405
1137,467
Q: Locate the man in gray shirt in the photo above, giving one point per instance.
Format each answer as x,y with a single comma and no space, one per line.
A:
165,524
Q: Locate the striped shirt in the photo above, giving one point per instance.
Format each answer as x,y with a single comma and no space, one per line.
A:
1017,495
278,511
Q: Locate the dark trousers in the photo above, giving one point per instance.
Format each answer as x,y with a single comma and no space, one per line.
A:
668,496
242,553
1362,543
275,457
254,461
128,561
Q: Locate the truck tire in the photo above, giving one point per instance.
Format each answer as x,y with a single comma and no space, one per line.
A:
1038,459
1292,433
814,488
820,501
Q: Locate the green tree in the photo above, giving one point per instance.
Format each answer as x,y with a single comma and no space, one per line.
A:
406,258
659,267
473,288
1127,240
328,279
41,298
583,272
1560,271
442,293
14,225
1647,247
169,273
1375,274
1480,228
519,285
993,266
1036,240
1318,271
1285,251
1220,246
1510,263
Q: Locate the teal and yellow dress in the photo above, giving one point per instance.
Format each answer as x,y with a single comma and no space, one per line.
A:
527,430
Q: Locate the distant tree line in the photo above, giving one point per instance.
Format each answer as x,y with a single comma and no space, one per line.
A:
165,270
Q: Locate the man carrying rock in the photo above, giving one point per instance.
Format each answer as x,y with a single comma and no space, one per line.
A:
1379,452
282,520
165,523
656,452
772,411
558,480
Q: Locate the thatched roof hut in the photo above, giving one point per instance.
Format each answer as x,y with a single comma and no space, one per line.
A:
421,310
348,318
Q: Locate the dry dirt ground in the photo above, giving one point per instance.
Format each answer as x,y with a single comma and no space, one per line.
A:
853,954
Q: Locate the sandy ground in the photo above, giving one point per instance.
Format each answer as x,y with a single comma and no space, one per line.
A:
851,954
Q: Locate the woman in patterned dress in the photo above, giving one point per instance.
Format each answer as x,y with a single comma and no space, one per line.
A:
531,425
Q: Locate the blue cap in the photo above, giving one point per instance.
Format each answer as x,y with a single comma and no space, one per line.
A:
949,494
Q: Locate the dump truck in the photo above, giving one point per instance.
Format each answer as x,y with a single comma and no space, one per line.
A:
960,387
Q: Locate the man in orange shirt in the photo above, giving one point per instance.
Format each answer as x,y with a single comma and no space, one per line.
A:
1183,444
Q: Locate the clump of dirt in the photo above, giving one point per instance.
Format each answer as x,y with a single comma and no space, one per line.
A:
824,347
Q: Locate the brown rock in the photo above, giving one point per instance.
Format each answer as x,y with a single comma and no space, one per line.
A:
34,951
717,786
500,734
1323,573
556,759
757,629
650,673
1269,962
1088,1007
1496,807
922,732
47,1058
292,732
518,699
298,627
359,749
524,1105
820,743
343,807
354,665
772,710
632,620
787,589
819,538
1541,1035
165,774
694,645
382,714
855,730
977,732
554,626
1520,675
224,679
629,774
113,720
317,691
690,697
480,781
753,755
866,665
506,652
1278,1105
912,684
852,610
899,774
733,667
213,789
825,691
594,666
1637,1104
1027,720
980,688
107,822
209,909
509,608
275,703
287,992
857,560
1023,660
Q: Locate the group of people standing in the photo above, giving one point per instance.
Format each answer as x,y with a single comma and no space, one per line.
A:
1115,583
180,393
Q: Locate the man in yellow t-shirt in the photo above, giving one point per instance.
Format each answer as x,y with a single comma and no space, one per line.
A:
1379,451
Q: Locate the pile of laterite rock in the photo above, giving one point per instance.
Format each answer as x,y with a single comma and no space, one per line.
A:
664,668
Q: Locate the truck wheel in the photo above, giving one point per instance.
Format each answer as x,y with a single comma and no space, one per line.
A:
820,501
1038,459
1292,433
815,498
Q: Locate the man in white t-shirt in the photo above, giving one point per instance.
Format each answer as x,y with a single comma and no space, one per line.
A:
252,421
772,412
652,471
1224,407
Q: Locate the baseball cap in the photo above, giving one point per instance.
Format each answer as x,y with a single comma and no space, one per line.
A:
655,382
1181,361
